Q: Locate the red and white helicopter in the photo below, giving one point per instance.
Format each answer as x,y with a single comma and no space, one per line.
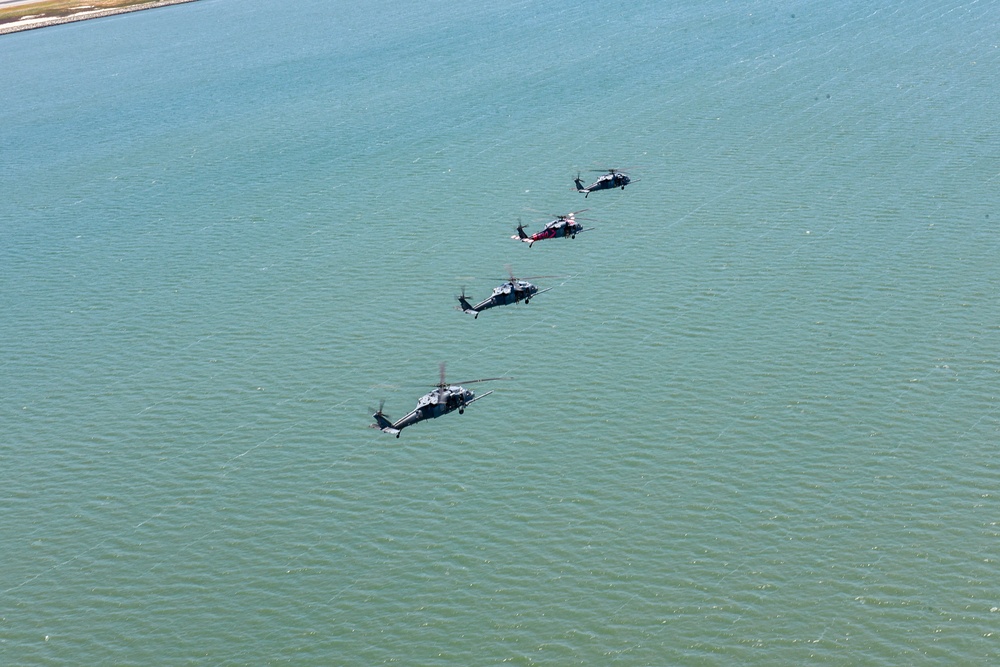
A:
564,226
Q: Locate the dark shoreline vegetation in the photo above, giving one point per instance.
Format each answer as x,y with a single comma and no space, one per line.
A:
56,12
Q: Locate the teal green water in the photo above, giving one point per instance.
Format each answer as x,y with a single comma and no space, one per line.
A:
755,422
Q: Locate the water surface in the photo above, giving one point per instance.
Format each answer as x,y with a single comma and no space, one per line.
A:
754,423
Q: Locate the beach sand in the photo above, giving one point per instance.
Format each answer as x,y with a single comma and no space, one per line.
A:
31,14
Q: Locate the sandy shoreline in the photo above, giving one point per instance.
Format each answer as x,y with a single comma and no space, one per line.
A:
42,22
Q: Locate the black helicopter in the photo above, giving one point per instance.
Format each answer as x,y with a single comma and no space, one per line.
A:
439,401
515,290
564,226
612,179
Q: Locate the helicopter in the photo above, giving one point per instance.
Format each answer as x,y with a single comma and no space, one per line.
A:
515,290
612,179
441,400
562,226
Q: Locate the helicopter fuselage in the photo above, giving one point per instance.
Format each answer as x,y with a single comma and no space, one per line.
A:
510,292
558,229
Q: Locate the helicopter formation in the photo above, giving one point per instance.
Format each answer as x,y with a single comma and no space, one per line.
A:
445,397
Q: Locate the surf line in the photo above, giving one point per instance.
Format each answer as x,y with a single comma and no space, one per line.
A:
48,15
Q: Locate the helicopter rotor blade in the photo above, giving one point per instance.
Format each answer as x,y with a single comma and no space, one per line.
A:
571,214
483,380
530,277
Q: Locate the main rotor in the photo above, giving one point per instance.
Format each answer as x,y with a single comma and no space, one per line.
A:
444,385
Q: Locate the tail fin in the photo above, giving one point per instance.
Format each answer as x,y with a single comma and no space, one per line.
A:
579,185
467,307
521,236
381,421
